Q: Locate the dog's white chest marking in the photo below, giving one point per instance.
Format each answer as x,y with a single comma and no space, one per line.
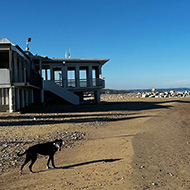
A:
56,145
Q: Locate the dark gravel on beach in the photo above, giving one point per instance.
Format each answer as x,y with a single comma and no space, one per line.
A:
9,147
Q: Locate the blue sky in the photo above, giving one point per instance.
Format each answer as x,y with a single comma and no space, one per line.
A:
147,41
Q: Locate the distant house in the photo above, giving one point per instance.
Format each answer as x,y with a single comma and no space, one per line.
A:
26,79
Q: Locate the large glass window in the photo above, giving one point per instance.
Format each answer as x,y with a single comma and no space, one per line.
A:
71,78
83,77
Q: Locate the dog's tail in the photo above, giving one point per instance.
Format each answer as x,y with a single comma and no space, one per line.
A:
21,154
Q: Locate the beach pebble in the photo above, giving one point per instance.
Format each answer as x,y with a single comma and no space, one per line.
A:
142,167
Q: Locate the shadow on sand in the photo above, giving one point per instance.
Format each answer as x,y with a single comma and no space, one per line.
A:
82,164
52,121
103,112
102,107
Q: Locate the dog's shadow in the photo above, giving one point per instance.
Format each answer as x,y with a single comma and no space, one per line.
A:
82,164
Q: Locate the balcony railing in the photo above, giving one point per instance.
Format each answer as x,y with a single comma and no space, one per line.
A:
82,83
22,77
4,76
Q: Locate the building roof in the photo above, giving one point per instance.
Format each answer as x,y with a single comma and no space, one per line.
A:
16,48
5,41
53,60
70,60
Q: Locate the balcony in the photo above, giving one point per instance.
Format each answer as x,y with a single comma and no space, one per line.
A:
4,77
72,84
24,77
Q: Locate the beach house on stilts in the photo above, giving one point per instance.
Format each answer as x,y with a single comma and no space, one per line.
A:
26,78
73,80
20,82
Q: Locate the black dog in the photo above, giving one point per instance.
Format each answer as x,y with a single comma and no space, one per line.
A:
48,148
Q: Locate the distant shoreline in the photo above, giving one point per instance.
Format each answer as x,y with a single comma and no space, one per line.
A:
134,91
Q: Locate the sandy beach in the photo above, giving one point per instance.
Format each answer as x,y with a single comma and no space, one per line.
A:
123,143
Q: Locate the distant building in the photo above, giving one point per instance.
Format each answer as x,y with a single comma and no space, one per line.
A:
26,79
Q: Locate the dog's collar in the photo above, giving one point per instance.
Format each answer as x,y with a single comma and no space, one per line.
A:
56,145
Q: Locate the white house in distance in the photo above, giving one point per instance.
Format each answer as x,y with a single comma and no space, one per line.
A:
72,80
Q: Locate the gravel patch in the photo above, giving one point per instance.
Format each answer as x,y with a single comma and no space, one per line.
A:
9,147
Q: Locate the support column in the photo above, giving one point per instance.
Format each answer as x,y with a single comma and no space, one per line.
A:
25,77
77,79
18,67
20,70
15,68
51,73
42,90
11,100
100,71
42,94
18,99
6,96
40,66
46,75
97,96
27,99
3,96
90,76
10,66
32,96
64,76
22,98
99,76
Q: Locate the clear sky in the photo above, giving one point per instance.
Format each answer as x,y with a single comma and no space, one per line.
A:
147,41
